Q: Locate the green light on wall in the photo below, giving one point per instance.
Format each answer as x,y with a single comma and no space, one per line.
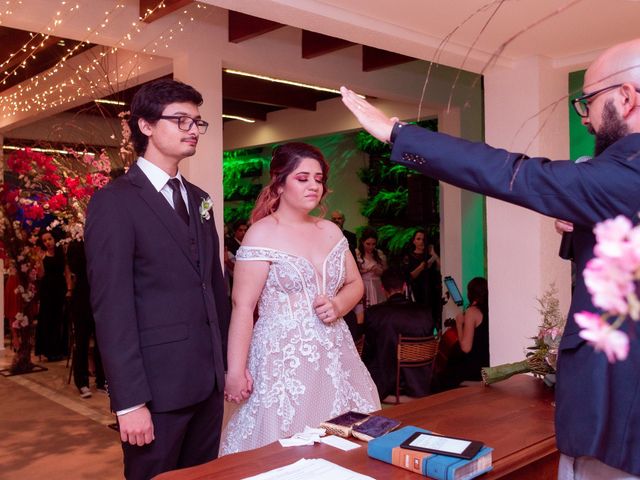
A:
581,142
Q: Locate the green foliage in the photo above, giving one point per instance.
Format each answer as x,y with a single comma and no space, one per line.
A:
371,145
385,173
389,197
394,238
386,204
241,172
241,211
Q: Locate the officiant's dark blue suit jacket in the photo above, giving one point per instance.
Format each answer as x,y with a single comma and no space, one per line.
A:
158,295
598,403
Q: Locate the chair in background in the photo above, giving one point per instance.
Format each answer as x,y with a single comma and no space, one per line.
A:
414,352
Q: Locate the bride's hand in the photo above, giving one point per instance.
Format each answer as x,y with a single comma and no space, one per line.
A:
325,309
237,387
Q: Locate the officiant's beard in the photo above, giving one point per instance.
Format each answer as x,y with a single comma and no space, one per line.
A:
611,130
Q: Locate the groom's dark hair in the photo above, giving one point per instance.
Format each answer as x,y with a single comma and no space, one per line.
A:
151,100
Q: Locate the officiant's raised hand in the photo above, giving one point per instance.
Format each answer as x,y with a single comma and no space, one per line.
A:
372,119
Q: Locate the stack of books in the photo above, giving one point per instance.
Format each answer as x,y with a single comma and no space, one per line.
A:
360,425
441,467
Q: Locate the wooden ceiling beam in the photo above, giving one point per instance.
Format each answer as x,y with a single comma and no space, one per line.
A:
255,111
376,59
236,87
243,27
316,44
160,8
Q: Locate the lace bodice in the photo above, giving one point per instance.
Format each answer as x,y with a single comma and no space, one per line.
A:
304,371
293,282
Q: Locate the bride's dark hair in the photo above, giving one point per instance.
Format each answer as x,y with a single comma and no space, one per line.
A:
284,160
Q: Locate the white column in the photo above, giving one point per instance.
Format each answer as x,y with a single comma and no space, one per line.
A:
522,246
201,67
450,216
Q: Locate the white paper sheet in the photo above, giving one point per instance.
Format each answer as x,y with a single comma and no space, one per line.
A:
339,442
311,469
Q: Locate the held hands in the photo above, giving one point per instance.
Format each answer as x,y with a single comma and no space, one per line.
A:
136,427
372,119
325,309
238,388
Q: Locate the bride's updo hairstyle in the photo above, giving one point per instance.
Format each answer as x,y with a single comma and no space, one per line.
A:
284,160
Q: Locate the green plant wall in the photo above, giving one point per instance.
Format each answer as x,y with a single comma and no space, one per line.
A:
581,142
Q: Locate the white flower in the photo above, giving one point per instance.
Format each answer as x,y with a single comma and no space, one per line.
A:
20,321
205,209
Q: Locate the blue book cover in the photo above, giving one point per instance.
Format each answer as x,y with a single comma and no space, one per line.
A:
441,467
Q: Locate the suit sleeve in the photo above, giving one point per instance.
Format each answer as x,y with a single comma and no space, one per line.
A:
583,193
220,293
110,250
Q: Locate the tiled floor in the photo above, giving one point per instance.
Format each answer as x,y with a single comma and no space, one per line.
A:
49,432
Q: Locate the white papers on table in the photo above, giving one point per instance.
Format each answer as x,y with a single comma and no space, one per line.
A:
311,469
306,437
339,442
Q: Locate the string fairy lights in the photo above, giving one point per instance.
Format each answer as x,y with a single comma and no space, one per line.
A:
26,99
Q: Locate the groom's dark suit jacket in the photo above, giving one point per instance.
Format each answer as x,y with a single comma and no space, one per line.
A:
598,403
158,295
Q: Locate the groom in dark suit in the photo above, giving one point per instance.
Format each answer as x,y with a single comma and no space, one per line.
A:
157,291
598,403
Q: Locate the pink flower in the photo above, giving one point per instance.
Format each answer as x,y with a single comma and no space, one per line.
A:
596,331
608,284
611,236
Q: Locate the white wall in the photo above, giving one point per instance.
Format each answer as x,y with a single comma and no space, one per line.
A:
522,246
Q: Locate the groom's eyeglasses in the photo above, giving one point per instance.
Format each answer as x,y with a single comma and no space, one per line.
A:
185,123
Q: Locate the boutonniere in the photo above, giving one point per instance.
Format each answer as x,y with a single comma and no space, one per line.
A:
205,209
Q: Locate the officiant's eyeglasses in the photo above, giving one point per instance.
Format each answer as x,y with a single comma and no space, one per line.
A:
185,123
581,104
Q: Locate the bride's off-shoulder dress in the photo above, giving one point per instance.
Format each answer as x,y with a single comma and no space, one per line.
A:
304,371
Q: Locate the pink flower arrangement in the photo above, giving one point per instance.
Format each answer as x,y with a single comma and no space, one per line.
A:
610,278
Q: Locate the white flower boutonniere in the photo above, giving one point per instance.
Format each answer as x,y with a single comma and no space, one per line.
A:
205,209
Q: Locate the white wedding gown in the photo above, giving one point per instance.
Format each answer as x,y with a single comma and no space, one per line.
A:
304,370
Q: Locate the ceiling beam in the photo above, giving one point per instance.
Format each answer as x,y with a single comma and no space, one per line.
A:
376,59
160,8
316,44
236,87
255,111
243,27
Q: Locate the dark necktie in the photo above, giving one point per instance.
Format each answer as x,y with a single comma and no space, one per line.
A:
178,202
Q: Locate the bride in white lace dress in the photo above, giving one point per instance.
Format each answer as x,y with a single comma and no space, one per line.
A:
298,365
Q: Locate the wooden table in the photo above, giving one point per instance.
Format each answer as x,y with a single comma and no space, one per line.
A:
515,417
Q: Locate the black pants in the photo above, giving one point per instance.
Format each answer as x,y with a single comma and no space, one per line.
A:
183,438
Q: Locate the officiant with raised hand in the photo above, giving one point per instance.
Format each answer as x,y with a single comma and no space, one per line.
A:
157,291
598,403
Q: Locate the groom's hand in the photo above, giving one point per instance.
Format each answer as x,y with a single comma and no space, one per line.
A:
136,427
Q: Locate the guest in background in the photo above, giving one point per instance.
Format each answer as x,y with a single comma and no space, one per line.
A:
371,263
384,322
338,218
83,323
240,227
51,331
418,261
472,327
